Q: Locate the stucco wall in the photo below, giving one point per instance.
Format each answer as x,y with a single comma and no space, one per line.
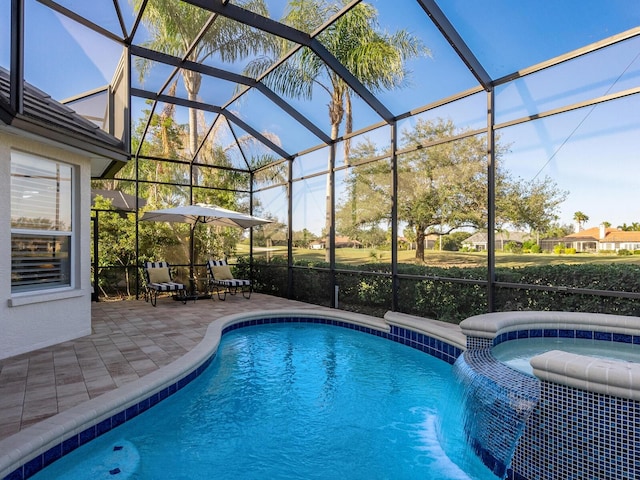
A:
35,320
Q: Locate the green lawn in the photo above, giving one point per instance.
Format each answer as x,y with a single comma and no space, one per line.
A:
358,256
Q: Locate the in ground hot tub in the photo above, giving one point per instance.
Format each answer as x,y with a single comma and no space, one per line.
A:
518,354
586,420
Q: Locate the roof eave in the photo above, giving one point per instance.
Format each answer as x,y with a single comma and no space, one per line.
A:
26,126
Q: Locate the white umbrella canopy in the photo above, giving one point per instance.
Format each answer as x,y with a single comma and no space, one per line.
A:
205,214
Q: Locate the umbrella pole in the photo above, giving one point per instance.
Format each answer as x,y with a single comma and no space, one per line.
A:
192,250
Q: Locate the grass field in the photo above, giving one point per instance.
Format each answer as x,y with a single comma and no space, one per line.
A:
359,256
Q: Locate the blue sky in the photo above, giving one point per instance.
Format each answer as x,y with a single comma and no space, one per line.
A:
589,153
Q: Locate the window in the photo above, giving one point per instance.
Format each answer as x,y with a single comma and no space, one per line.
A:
41,223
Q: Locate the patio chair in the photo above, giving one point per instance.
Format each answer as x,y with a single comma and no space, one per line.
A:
221,279
158,278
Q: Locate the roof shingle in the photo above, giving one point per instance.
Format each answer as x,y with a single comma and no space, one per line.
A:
47,118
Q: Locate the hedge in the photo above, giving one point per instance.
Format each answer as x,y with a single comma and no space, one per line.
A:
429,292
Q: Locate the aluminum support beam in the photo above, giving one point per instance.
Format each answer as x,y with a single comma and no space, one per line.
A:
136,92
81,20
301,38
231,77
491,201
16,75
457,43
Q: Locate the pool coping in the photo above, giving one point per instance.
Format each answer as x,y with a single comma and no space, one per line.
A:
54,437
443,331
598,375
490,325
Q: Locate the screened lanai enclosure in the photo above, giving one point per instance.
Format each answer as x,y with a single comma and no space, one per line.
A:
438,158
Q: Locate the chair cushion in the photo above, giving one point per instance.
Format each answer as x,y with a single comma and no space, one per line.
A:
235,282
167,287
222,272
159,275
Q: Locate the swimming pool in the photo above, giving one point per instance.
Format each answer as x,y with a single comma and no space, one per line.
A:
293,401
518,353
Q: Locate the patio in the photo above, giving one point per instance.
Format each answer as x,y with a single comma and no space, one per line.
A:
130,339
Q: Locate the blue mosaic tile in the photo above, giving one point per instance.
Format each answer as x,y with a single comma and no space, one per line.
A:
585,334
15,475
567,333
131,412
144,405
70,444
604,336
162,394
52,455
622,338
535,333
495,432
154,399
33,466
550,332
103,427
118,419
87,435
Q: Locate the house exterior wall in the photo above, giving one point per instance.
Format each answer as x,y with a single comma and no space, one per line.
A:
32,320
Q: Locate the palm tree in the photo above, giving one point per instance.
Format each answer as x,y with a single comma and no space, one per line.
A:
175,26
580,218
377,59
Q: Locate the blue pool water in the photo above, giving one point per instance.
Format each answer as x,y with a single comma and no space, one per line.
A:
294,401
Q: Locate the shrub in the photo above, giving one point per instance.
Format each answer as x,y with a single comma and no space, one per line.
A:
513,247
438,293
450,244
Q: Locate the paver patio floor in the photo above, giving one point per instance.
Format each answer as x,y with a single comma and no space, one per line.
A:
129,339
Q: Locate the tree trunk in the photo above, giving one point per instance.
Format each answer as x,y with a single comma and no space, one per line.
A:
192,82
336,113
420,238
348,128
126,280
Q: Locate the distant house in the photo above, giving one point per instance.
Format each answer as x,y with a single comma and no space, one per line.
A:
341,242
48,155
405,244
346,242
317,245
602,238
480,240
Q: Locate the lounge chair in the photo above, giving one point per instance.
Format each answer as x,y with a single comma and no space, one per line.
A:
157,278
221,279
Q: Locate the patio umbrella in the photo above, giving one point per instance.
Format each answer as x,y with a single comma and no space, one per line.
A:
205,214
119,200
